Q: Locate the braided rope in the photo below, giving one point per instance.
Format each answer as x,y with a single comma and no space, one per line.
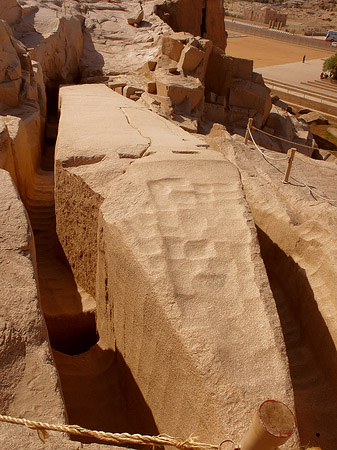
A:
116,438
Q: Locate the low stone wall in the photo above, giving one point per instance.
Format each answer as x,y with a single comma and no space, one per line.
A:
278,35
173,233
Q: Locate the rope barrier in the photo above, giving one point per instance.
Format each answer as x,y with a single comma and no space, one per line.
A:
282,139
263,152
116,438
302,183
291,142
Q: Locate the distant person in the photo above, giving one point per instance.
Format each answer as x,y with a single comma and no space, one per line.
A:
303,59
321,75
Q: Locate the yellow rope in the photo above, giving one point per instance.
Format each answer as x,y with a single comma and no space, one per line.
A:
116,438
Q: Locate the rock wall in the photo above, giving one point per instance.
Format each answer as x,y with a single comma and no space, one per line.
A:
23,80
169,233
29,381
10,11
300,257
203,18
59,53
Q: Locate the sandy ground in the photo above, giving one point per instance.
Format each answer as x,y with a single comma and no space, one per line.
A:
294,72
269,52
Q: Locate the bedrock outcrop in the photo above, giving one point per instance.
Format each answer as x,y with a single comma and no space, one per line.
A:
156,225
29,381
203,18
296,226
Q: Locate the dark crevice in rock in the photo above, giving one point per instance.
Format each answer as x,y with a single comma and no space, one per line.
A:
95,397
310,349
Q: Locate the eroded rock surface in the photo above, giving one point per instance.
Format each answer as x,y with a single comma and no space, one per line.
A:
155,226
172,231
301,262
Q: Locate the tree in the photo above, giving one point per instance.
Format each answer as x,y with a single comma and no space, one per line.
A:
330,65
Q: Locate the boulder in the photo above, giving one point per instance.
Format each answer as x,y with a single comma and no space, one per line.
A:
287,126
136,15
279,121
190,58
314,117
158,104
246,94
186,122
171,47
333,131
192,93
281,104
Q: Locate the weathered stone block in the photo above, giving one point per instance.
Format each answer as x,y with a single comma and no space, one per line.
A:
257,78
246,94
190,58
136,15
214,113
131,90
178,93
221,69
171,47
314,117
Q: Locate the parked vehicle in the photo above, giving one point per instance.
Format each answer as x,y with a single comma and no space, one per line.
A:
331,36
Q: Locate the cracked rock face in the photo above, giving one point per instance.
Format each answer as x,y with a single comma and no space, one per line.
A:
168,229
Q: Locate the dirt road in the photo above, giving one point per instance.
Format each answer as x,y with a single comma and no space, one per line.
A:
269,52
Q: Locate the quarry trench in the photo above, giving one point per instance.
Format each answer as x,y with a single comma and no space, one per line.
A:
303,327
98,393
98,388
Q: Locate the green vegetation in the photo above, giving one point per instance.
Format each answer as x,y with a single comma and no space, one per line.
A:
331,137
330,65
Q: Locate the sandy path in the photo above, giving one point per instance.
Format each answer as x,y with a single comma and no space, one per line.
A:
269,52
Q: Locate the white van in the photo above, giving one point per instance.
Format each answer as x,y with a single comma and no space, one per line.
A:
331,36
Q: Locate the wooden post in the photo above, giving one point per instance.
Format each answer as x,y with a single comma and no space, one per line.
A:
249,127
291,154
272,425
